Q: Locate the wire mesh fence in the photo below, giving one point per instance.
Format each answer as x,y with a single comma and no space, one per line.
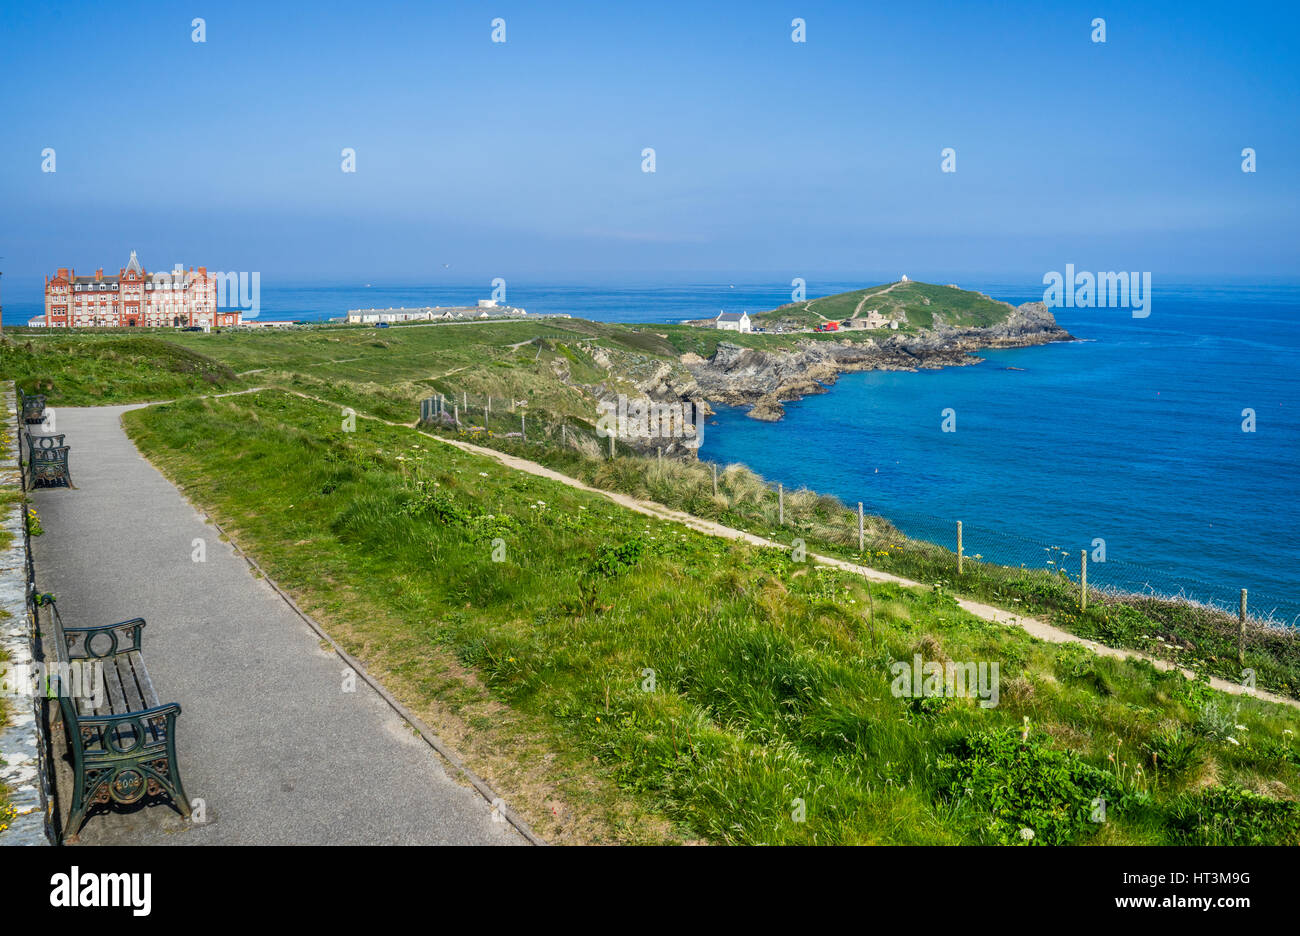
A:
922,547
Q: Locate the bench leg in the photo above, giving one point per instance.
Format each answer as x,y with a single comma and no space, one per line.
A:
81,802
179,796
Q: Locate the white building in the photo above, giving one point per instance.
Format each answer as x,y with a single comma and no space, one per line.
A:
733,321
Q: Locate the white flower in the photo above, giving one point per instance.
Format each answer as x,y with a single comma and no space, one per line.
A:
1234,741
1027,834
482,474
1242,728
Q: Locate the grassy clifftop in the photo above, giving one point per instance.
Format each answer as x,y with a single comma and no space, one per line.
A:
912,304
690,688
772,678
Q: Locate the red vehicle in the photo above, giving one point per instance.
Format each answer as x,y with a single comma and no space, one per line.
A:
829,326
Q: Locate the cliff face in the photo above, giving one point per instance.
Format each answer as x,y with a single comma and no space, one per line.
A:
738,376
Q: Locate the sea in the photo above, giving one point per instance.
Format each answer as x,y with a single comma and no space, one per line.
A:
1167,447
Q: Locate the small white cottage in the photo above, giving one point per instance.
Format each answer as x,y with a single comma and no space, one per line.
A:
733,321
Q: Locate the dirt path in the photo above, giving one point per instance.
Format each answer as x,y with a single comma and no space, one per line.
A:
1032,626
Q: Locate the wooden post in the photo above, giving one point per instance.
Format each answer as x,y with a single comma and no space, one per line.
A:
523,432
715,480
611,445
564,435
465,399
1083,580
861,538
1241,640
959,556
780,505
455,414
661,454
488,408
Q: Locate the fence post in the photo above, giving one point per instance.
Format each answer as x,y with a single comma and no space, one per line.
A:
564,435
780,505
488,406
1083,580
611,445
523,433
465,399
455,414
959,556
861,539
715,480
1241,640
661,454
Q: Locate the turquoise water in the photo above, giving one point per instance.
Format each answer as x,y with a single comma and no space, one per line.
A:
1131,435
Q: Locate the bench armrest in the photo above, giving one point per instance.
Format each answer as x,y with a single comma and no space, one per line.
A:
158,711
151,729
132,630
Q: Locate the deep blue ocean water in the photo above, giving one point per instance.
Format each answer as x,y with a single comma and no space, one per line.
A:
1132,435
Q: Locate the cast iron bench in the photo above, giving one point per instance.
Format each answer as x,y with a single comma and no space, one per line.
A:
33,407
124,749
47,460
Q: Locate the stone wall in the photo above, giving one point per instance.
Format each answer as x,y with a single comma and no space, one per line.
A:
22,743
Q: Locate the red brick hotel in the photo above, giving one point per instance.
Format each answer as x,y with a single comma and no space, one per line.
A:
170,299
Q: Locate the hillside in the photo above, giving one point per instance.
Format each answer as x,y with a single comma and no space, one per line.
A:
650,683
773,678
913,305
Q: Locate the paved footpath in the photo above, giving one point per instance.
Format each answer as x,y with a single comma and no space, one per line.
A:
266,738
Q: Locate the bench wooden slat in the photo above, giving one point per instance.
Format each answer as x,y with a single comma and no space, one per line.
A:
147,691
113,702
126,675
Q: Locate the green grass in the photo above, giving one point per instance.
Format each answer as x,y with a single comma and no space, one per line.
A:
1200,637
771,678
384,372
76,369
919,305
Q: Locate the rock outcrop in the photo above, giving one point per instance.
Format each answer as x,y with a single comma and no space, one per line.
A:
739,376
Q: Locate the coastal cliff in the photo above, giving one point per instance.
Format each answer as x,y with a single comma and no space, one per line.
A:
764,379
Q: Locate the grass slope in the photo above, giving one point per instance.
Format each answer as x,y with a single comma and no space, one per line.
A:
675,675
918,305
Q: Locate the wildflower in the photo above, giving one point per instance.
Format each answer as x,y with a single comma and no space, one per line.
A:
1027,834
1242,728
1234,741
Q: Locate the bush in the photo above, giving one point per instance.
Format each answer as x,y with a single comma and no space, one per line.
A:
1017,785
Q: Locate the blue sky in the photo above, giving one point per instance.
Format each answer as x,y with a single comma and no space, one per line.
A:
773,157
